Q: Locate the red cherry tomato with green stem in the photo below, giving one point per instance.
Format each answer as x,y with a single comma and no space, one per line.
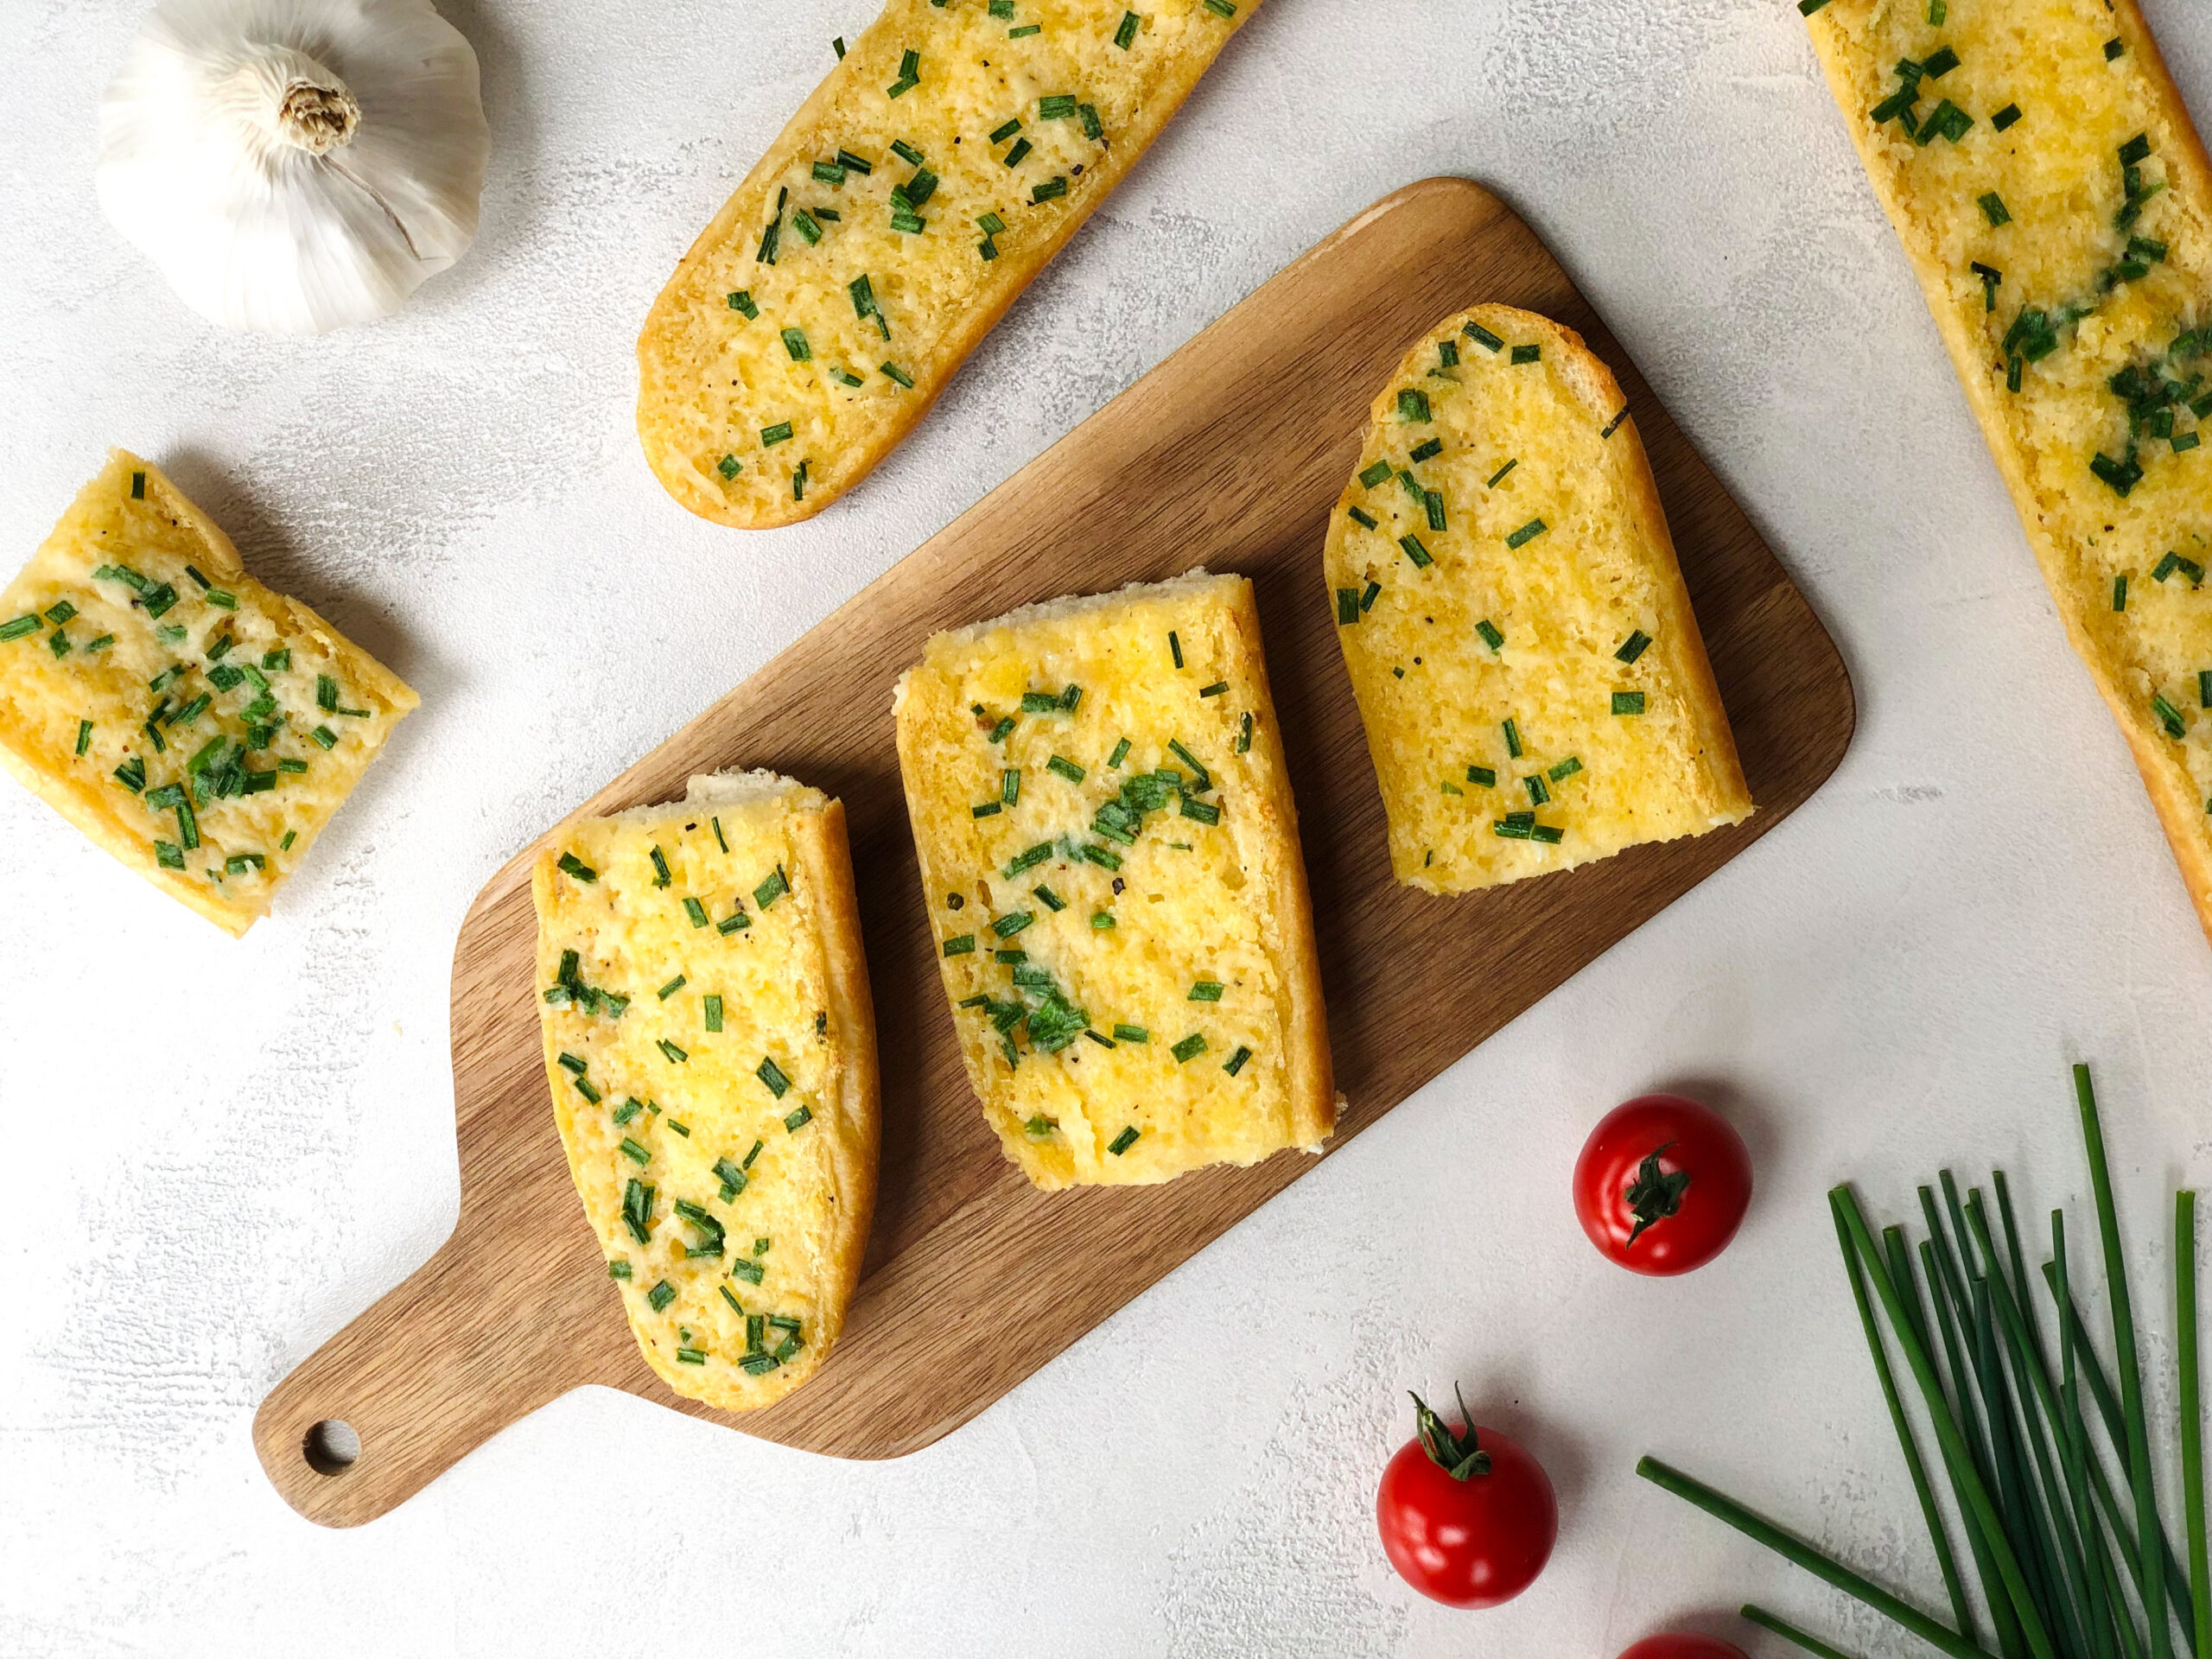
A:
1683,1647
1467,1517
1662,1183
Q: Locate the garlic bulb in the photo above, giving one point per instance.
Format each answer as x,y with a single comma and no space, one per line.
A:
295,166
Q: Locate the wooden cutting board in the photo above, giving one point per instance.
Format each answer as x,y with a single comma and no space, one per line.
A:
1230,453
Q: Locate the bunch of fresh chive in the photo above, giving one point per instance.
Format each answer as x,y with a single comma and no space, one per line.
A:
2057,1527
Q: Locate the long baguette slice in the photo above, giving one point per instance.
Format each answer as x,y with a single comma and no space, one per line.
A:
199,727
1109,855
2038,163
1528,669
711,1048
949,155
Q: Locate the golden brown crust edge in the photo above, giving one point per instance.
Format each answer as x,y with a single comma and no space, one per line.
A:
838,480
1313,1096
826,857
2172,792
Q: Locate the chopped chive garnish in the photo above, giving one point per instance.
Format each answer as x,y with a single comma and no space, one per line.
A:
1481,775
571,865
1628,702
1101,920
1993,209
772,1075
1527,533
1050,189
1538,795
1491,635
1189,1049
1058,106
1128,32
1361,517
1498,477
1411,545
1413,405
1633,646
1483,337
1006,927
1205,990
1221,8
986,809
2006,117
632,1151
697,912
2169,716
799,1119
751,1272
1236,1062
1375,474
1347,606
1050,899
2119,592
1434,447
1369,596
1131,1035
1434,502
1121,1142
285,845
1566,768
1121,754
1067,768
711,1005
84,735
138,486
1613,425
661,877
2204,688
772,889
1214,689
736,921
661,1295
1175,647
1512,740
1024,31
673,987
2113,48
676,1055
771,436
1028,859
618,1269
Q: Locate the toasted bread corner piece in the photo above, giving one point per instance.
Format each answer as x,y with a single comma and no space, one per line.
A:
710,1045
197,726
1528,669
1109,855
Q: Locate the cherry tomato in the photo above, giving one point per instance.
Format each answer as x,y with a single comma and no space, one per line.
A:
1662,1183
1467,1517
1684,1646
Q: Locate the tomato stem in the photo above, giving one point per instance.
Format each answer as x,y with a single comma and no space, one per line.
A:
1655,1194
1458,1455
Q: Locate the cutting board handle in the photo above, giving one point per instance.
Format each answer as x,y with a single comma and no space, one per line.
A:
430,1372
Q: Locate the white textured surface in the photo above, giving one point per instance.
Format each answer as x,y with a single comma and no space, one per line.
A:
225,1150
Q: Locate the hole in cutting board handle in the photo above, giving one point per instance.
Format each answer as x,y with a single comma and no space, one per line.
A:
331,1446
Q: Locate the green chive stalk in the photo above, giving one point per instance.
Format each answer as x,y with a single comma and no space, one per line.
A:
2147,1525
2192,1421
1789,1632
1961,1612
1726,1509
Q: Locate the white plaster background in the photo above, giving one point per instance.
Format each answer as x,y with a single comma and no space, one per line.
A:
223,1151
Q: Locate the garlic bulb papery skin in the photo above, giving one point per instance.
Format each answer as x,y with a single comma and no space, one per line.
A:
295,166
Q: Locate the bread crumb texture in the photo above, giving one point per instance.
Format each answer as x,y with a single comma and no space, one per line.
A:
196,725
1109,860
701,1084
947,156
1528,669
2042,174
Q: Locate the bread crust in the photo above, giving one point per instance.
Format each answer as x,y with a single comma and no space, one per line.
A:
826,856
85,802
1298,959
2172,791
874,53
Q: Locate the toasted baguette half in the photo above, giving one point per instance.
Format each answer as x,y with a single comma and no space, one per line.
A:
1109,855
710,1045
199,727
1528,669
2060,224
951,152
